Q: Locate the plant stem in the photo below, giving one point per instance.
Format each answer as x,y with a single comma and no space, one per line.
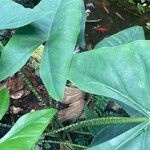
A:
99,121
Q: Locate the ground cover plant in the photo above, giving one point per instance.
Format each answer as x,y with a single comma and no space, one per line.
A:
117,68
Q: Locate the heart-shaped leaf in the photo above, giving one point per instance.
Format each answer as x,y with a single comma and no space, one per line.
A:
26,131
4,102
59,48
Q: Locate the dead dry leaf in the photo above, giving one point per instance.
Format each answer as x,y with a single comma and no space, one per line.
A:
75,98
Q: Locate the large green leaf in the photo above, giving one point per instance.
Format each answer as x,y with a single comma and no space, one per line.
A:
20,47
136,138
4,102
120,72
123,73
122,37
14,15
26,131
59,48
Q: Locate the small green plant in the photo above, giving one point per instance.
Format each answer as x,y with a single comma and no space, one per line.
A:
118,68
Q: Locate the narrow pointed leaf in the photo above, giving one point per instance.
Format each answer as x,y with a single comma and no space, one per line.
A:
122,37
4,102
121,72
59,48
27,130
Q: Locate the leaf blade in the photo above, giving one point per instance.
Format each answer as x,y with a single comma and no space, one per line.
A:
21,46
4,102
107,77
125,36
59,48
27,130
135,138
18,15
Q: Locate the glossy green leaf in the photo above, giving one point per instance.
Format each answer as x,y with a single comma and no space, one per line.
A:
120,72
14,15
59,48
136,138
27,130
122,37
4,102
20,47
